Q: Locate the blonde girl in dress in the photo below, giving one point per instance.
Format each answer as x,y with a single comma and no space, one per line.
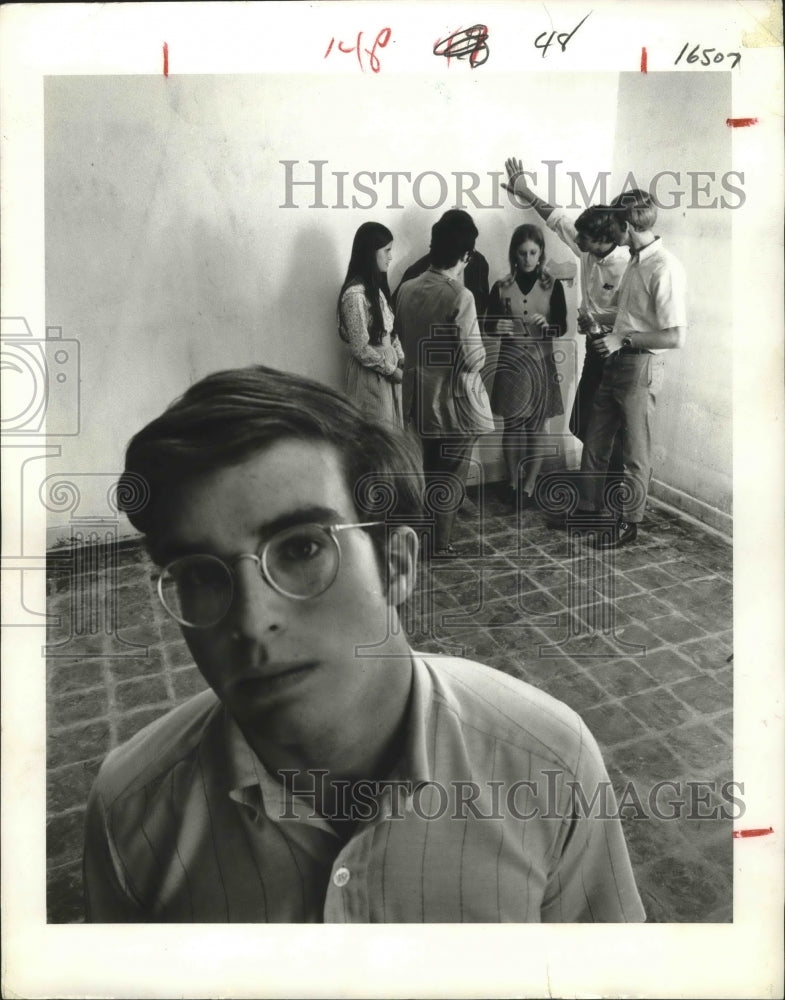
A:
527,311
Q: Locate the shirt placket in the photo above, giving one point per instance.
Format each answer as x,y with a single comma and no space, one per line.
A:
623,315
600,295
346,901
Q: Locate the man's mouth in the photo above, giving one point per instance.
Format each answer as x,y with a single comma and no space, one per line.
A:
274,675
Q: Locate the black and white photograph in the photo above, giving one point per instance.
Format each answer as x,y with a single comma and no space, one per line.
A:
392,447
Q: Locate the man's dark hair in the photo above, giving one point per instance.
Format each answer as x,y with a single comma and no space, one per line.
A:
451,237
228,416
597,223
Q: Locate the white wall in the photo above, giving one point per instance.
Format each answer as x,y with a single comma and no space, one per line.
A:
168,255
679,125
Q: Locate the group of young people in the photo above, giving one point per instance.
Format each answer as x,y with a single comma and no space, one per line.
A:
413,354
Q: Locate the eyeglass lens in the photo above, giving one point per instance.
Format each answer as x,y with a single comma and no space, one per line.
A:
299,562
302,561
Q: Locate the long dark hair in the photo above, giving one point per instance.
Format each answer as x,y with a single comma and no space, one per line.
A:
531,234
362,270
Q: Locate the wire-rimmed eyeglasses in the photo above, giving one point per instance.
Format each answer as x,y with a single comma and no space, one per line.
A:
300,562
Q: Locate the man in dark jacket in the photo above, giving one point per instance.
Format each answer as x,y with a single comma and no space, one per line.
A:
475,275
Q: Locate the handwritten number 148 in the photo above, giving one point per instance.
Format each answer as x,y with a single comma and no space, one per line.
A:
381,40
705,58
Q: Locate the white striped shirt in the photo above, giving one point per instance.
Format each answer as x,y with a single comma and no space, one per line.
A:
184,824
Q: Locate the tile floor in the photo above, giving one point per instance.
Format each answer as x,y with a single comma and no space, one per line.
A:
638,641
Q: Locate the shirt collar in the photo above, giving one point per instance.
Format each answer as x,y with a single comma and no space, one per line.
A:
608,255
252,785
248,780
440,274
415,764
646,251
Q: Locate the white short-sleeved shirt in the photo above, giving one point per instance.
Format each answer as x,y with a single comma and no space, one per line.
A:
653,294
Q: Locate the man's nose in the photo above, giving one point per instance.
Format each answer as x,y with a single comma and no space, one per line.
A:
257,607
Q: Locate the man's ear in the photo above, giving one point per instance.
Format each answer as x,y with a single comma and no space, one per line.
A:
402,547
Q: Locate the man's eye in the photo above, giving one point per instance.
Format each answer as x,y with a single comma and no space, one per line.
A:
300,548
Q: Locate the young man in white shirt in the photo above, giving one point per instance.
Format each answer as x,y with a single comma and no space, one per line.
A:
330,774
651,319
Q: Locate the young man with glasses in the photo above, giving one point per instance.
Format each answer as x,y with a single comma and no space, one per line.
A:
330,774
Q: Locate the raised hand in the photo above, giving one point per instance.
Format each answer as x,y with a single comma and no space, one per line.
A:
514,168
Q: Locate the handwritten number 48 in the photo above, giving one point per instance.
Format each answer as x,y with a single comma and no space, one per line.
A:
705,58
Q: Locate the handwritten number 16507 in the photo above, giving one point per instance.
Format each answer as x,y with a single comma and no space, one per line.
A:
705,58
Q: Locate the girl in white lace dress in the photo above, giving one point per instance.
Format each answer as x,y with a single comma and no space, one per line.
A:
365,322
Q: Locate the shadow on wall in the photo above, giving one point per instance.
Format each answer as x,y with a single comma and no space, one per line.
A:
302,315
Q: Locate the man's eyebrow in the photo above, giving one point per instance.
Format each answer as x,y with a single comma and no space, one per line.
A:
165,551
302,515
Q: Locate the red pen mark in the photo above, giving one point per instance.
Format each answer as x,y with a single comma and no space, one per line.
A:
740,122
166,59
644,61
760,832
471,42
380,42
447,55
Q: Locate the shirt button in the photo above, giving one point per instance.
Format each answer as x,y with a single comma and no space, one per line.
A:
341,877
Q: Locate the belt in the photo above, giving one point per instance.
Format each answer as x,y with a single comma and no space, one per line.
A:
634,350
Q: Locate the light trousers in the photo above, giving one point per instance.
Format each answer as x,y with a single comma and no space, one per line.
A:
624,404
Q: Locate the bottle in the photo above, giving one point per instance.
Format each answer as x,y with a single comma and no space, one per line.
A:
594,329
507,309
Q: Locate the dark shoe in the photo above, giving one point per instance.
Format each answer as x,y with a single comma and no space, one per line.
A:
446,552
622,533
